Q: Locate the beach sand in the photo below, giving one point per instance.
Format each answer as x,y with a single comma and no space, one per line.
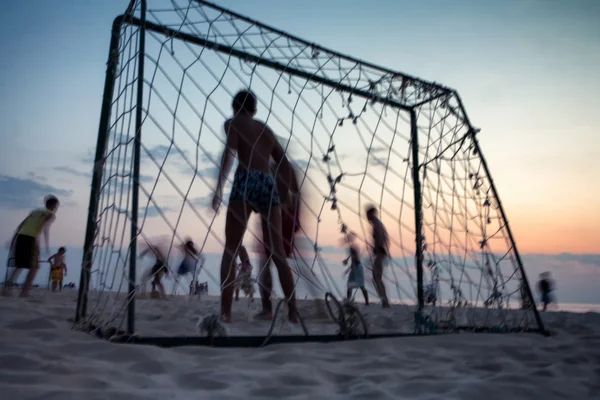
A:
41,357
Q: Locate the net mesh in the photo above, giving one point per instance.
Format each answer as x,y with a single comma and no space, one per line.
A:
346,126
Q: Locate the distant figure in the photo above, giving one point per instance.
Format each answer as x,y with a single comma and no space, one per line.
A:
188,264
58,269
546,286
244,279
158,271
356,276
430,293
380,253
253,190
25,243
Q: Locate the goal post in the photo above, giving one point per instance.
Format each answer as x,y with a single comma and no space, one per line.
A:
169,77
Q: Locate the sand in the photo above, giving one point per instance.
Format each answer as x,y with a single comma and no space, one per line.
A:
41,357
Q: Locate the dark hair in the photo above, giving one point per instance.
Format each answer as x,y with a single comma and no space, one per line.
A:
62,249
371,210
244,100
51,201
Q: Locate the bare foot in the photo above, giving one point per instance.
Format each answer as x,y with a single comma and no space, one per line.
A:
226,318
264,315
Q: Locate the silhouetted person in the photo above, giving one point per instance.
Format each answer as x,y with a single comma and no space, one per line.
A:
254,189
545,286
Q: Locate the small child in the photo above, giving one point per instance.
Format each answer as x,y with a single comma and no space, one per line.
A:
244,279
58,269
26,243
545,287
356,276
158,270
188,264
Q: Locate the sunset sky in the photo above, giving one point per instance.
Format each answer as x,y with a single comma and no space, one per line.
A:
527,72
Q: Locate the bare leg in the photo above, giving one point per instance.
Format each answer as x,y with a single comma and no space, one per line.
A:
273,239
6,291
378,278
365,295
28,282
160,286
265,285
236,222
53,286
60,285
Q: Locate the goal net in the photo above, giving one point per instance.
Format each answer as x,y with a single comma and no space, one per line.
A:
356,134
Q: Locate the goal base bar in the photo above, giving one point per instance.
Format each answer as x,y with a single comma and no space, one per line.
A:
261,341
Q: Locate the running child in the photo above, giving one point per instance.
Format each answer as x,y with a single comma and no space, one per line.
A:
356,276
188,265
158,270
253,190
58,269
26,243
381,253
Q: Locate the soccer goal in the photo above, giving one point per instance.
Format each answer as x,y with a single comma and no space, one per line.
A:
357,134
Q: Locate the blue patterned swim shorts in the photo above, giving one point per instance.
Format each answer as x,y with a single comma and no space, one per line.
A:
256,188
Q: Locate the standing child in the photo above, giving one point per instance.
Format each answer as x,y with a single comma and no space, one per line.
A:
380,253
356,276
26,243
58,269
545,287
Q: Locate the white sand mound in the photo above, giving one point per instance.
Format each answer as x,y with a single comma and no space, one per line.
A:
42,358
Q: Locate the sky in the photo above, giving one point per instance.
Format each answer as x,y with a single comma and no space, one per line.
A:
527,72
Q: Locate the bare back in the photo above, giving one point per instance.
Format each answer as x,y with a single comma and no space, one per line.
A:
254,142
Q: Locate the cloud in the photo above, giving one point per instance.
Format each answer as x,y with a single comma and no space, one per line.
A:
202,201
209,158
301,164
18,193
150,212
147,179
593,259
72,171
153,211
379,149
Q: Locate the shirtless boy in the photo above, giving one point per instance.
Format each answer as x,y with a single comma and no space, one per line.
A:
58,269
381,247
253,190
26,243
